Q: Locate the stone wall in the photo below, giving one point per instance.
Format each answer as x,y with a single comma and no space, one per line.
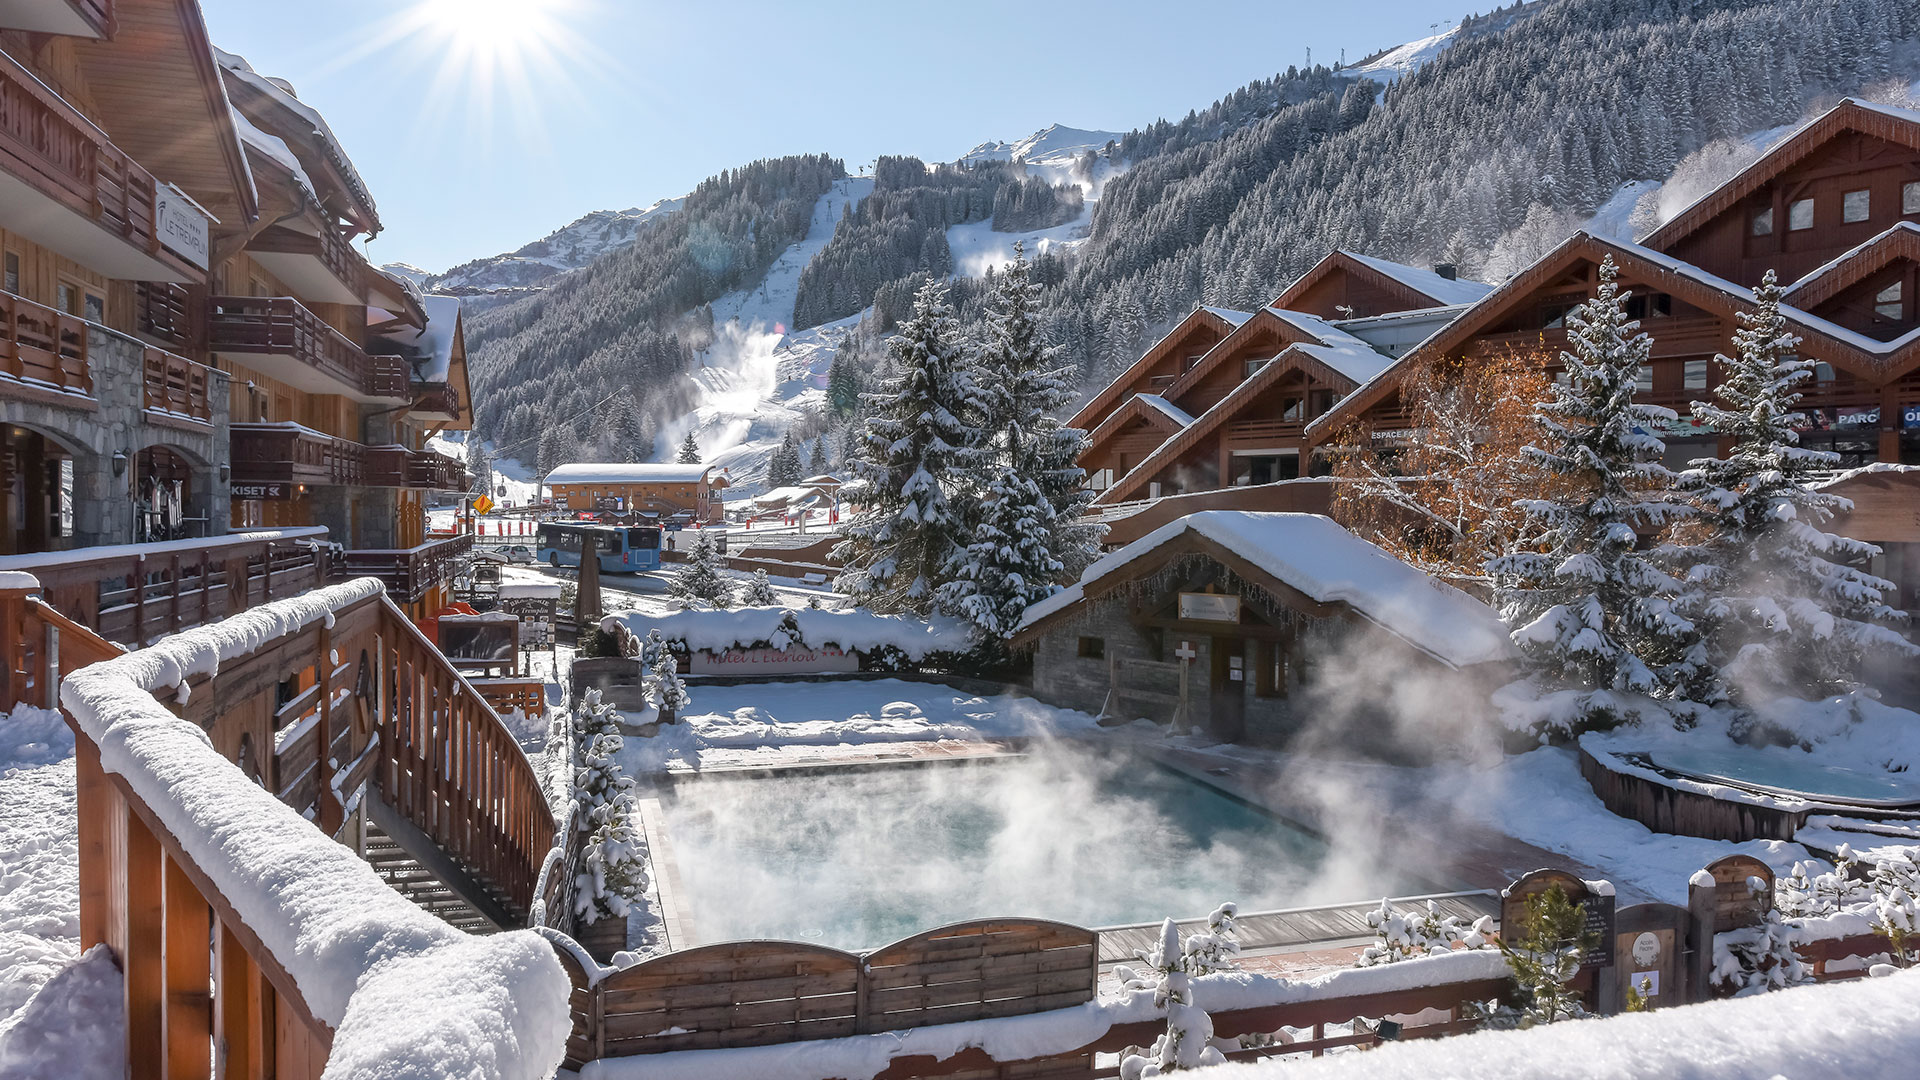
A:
103,502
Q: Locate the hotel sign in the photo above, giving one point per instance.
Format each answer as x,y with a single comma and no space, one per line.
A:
762,661
180,225
1209,607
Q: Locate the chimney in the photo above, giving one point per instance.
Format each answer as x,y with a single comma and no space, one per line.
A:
1447,270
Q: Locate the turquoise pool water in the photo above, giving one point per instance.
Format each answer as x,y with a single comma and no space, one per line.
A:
858,859
1780,773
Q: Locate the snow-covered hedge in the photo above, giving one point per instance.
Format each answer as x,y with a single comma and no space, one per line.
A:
854,630
406,994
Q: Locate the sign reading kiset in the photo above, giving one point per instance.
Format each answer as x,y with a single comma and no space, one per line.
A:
261,491
180,225
1209,607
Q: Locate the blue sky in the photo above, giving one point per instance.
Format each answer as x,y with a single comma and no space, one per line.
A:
606,104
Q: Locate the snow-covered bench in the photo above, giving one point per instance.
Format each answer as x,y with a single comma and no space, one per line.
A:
813,579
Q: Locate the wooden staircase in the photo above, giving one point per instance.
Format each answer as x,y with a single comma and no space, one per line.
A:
411,879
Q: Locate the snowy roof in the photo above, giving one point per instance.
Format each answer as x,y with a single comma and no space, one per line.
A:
1312,554
588,472
823,480
1448,291
274,148
1165,408
237,67
1227,314
1343,352
1813,276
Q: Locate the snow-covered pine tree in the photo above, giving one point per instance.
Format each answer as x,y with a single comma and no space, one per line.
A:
1785,606
667,690
1022,472
898,548
1172,965
689,450
612,866
629,428
703,578
821,460
479,465
783,469
758,591
1589,610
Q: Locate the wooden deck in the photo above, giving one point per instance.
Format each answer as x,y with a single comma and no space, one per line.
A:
1295,928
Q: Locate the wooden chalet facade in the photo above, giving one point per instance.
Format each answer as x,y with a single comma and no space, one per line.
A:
656,490
192,343
1834,209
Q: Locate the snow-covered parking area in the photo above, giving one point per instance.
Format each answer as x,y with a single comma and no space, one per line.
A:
797,722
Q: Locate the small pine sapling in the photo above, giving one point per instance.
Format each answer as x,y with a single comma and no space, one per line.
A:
1896,912
1171,967
702,580
1544,956
758,591
612,867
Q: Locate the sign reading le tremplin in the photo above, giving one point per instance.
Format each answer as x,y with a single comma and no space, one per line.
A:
1209,607
181,225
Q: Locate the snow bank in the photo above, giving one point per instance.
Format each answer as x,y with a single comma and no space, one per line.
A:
1040,1034
1311,553
39,857
1858,1030
407,994
853,629
73,1028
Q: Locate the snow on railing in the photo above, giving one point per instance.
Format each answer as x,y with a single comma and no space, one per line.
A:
401,992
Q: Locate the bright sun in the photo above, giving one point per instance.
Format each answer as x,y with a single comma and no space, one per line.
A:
488,28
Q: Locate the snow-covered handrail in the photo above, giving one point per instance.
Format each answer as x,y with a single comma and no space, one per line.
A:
388,989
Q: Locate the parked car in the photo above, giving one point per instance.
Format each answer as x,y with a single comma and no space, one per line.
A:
520,553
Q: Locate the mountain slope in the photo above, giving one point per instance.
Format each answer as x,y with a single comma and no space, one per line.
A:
569,247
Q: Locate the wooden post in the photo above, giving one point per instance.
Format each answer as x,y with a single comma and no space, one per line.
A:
98,804
237,1019
1183,714
331,813
142,957
189,1003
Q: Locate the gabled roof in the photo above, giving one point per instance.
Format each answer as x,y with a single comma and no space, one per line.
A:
271,104
1294,358
1311,555
1441,291
1155,410
1179,416
1221,320
1844,349
1902,241
1350,357
587,472
1900,126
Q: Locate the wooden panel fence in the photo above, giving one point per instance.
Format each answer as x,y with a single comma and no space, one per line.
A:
978,970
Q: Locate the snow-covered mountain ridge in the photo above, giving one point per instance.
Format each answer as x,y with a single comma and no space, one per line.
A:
569,247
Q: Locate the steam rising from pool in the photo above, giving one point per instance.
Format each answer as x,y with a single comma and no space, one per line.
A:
858,859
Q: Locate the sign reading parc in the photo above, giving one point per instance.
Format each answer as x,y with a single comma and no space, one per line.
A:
181,226
760,661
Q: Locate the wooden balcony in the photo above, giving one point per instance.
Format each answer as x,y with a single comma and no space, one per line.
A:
409,572
178,387
71,18
281,338
160,313
1265,432
396,466
321,269
271,461
44,348
66,187
134,593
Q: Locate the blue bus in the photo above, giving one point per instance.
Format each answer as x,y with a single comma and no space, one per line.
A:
623,549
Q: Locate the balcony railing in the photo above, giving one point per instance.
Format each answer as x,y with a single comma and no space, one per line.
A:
281,326
135,593
43,346
278,457
160,312
1269,430
396,466
331,249
53,147
178,386
409,572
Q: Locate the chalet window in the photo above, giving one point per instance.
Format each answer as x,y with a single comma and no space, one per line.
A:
1254,366
1763,222
1887,303
1270,676
1643,378
12,283
1800,215
1189,363
1555,315
1856,205
1320,401
1910,198
1650,306
1822,372
1093,648
94,306
1693,375
66,298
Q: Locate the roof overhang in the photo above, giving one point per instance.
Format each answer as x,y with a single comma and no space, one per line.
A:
1110,395
67,18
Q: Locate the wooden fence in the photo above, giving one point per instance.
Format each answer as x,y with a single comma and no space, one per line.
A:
753,993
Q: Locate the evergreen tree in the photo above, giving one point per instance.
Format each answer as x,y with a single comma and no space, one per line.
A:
689,450
783,469
1544,954
612,866
1026,488
822,459
758,591
479,465
630,429
1588,609
1786,607
843,386
703,578
897,550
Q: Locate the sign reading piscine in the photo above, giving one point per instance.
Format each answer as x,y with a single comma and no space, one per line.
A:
760,661
1209,607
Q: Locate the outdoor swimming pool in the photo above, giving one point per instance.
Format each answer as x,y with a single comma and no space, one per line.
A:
1785,773
858,859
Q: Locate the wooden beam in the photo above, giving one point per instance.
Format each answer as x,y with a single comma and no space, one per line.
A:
143,959
189,972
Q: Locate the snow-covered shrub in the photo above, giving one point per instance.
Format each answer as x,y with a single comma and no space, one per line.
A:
758,591
1759,958
787,634
1402,935
1896,906
1804,894
612,867
703,579
1171,967
660,673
